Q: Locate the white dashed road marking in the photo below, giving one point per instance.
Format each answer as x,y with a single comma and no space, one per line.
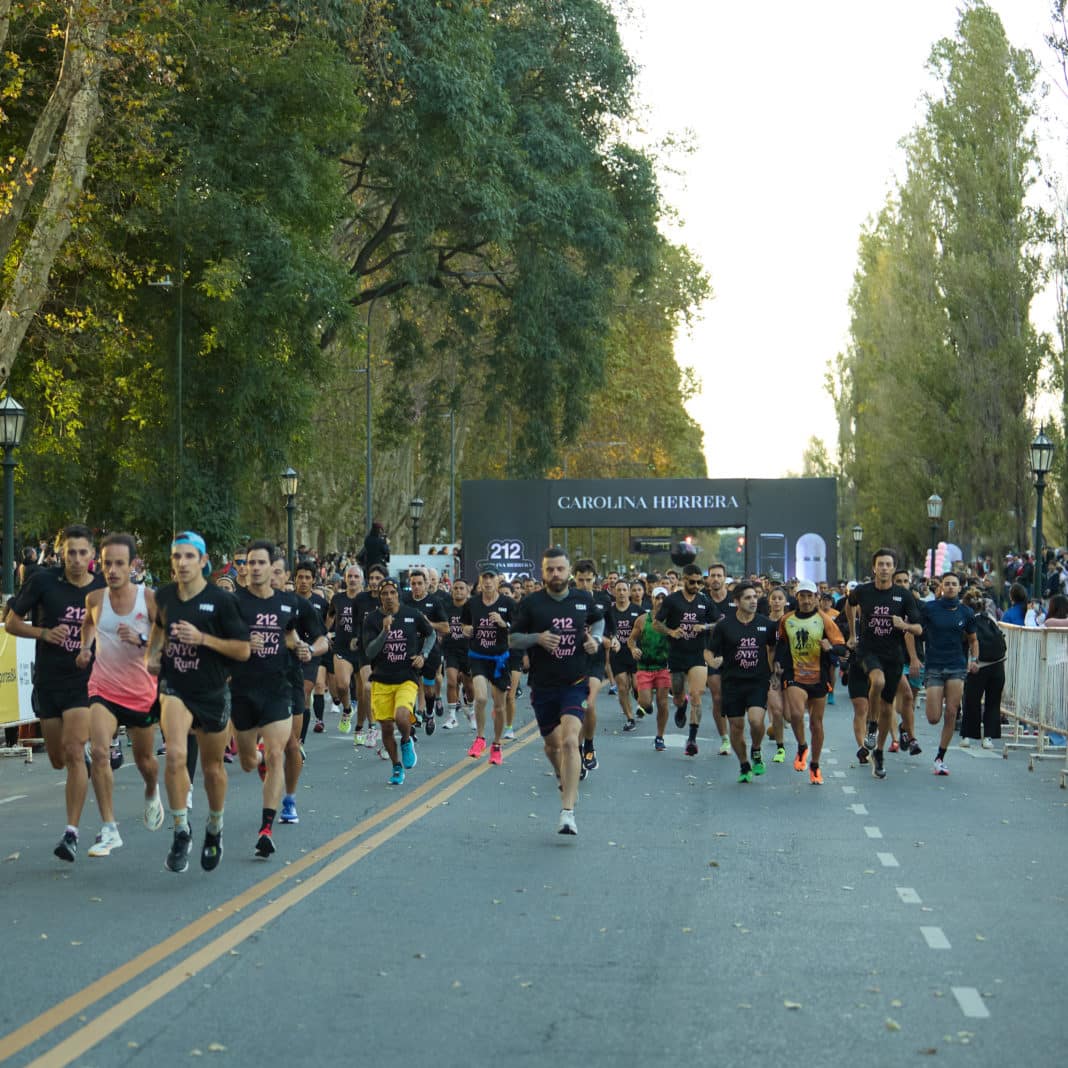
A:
971,1002
859,810
935,937
8,800
873,832
888,860
908,896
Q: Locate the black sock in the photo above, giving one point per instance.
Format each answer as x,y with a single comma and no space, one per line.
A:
815,766
304,726
746,767
318,705
941,755
268,819
587,745
801,750
693,732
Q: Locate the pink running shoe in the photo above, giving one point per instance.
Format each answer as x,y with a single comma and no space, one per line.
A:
495,757
478,747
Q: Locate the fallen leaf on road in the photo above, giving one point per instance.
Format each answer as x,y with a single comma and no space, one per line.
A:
713,863
687,930
12,856
895,1004
75,943
526,984
420,956
930,1051
980,938
216,1047
791,1004
44,936
892,1025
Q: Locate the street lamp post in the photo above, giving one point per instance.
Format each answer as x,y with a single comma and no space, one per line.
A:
1041,462
858,537
12,422
289,491
415,510
934,513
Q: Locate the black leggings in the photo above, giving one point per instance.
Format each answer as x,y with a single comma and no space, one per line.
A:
982,702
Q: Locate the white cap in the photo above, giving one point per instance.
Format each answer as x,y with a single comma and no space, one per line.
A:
660,590
806,586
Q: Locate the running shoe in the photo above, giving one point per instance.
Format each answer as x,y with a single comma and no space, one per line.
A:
496,756
359,738
472,722
189,798
107,840
801,760
153,814
894,747
374,736
228,757
590,761
89,757
319,727
630,725
67,849
640,712
583,770
264,843
758,764
863,753
940,768
659,744
178,858
815,777
211,851
430,724
987,743
518,692
724,745
450,722
830,701
567,822
397,778
691,747
682,713
613,690
409,757
509,734
478,747
871,739
965,743
345,723
261,767
780,756
289,810
877,769
115,755
746,775
162,750
914,747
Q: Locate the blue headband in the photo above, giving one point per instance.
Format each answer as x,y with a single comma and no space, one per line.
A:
190,537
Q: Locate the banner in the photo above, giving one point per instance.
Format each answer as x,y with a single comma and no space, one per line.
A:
16,678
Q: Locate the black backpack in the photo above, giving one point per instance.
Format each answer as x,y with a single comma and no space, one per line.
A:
991,639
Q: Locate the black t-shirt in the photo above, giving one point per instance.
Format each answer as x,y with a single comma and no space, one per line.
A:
47,600
346,614
270,617
488,639
429,605
620,622
407,635
570,618
875,633
455,642
310,626
195,669
726,607
691,616
743,647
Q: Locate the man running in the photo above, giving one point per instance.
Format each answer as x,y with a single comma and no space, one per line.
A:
429,605
54,601
686,617
746,642
454,650
196,640
619,624
486,620
343,619
722,605
121,689
885,613
562,629
314,670
396,641
585,573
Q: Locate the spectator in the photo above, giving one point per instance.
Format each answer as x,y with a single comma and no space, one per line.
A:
1016,614
1058,612
981,710
375,547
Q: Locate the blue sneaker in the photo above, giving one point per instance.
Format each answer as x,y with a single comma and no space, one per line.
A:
659,744
289,810
397,778
409,757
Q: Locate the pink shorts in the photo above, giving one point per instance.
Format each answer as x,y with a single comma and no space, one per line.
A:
653,680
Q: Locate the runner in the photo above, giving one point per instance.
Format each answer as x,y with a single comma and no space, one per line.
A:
776,704
430,607
197,638
745,642
909,686
686,617
454,651
314,671
806,637
486,620
947,624
619,623
54,601
517,664
880,613
396,641
585,574
722,605
367,601
562,629
649,648
343,620
121,690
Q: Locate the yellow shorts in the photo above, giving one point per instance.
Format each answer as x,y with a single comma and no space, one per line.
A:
387,697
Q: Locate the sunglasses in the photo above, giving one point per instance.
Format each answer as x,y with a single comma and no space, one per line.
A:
240,562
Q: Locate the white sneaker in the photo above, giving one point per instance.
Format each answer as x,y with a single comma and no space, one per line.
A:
567,822
189,800
965,743
987,743
940,768
153,813
107,840
509,734
450,722
472,722
374,737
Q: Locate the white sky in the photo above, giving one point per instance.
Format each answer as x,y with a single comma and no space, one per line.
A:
797,111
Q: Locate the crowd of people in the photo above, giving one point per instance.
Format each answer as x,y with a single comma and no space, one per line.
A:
239,663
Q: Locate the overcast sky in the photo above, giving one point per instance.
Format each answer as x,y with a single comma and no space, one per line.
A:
796,111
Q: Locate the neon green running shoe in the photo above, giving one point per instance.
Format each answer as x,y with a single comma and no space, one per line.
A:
745,776
780,755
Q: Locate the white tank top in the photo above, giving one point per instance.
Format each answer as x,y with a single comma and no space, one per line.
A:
119,673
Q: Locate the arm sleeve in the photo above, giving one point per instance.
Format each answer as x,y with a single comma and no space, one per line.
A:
372,640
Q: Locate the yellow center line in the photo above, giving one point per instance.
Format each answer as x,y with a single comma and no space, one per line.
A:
76,1003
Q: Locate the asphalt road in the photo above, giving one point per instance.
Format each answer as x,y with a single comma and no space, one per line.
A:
446,923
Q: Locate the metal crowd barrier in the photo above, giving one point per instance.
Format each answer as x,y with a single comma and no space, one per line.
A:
1036,693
